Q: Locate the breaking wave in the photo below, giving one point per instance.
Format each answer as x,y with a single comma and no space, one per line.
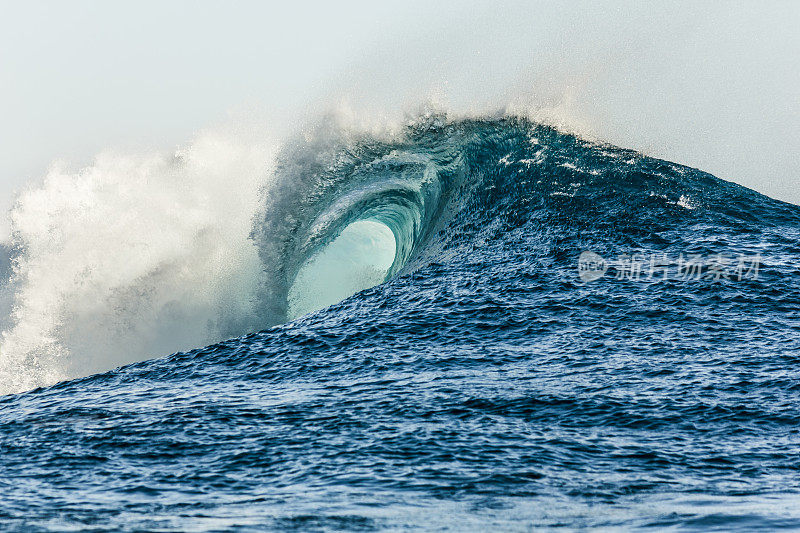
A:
141,255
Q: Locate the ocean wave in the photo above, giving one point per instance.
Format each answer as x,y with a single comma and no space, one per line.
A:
137,256
544,331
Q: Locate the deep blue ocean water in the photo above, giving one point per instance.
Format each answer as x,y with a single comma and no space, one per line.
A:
488,384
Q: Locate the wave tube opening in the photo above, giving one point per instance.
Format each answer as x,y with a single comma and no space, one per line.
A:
359,258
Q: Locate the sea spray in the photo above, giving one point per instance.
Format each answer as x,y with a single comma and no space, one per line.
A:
135,255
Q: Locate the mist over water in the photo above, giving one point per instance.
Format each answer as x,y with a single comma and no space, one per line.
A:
136,255
714,85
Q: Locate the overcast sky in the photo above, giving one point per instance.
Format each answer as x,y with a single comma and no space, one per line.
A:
714,85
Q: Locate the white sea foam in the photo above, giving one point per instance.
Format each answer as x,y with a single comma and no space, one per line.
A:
134,256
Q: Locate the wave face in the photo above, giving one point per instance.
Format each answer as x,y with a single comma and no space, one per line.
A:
488,383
